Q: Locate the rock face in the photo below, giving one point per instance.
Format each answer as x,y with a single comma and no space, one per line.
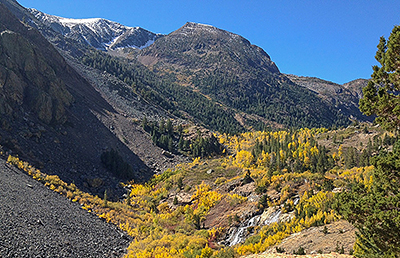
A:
356,86
98,33
27,79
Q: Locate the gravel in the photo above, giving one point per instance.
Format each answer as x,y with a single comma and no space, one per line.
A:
37,222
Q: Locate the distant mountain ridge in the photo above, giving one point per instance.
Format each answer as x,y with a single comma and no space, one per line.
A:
356,86
327,87
344,97
99,33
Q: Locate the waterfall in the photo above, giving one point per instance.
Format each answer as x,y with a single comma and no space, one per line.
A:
274,217
238,234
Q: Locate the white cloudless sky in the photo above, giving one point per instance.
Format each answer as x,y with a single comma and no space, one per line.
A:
329,39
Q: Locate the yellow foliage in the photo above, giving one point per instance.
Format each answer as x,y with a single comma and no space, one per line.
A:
204,197
220,180
361,175
282,155
139,190
163,208
195,162
170,232
243,159
264,159
340,151
206,252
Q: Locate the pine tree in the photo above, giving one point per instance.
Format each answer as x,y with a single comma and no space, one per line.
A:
161,127
169,128
374,209
381,95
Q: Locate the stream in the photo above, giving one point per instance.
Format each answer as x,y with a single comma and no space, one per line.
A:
238,235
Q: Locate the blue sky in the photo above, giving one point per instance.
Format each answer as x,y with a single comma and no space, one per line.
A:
330,39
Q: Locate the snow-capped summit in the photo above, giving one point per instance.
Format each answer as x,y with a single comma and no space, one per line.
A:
97,32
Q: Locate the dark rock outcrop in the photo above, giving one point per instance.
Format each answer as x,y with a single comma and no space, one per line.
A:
27,79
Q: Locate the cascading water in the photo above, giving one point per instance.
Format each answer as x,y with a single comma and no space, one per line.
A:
238,234
272,215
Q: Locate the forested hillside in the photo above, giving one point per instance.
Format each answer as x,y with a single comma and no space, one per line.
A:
229,70
180,101
344,96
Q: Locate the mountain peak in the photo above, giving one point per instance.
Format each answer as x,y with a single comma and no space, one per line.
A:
98,32
191,28
199,25
206,44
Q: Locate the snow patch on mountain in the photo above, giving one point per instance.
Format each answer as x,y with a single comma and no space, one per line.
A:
72,22
97,32
148,43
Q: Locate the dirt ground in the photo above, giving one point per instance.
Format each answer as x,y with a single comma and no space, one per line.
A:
314,241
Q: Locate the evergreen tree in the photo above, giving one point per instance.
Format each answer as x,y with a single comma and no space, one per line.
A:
169,128
161,127
181,143
113,161
145,124
375,209
381,95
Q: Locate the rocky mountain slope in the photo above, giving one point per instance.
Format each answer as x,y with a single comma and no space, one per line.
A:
231,71
98,33
344,97
37,222
212,62
356,86
197,46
